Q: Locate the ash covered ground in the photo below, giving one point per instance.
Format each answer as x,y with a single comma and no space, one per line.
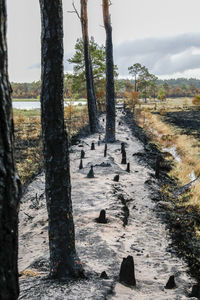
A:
134,228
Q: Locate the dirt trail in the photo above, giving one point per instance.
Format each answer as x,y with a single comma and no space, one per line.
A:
101,247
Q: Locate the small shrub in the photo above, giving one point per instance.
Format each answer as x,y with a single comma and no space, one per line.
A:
163,111
196,100
132,98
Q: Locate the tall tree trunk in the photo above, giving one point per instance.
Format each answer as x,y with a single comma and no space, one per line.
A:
91,96
9,183
64,262
110,89
135,84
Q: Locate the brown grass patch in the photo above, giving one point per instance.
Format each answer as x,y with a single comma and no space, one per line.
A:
187,147
28,141
29,273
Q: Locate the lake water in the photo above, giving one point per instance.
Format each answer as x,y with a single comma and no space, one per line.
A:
36,104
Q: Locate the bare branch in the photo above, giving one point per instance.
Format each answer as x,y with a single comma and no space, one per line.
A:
75,11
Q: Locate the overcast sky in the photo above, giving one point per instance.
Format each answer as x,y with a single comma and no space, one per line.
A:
164,35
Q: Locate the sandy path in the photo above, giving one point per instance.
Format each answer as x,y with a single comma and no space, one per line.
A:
101,247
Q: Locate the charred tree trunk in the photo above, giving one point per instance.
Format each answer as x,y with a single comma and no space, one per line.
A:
9,182
110,90
135,83
64,262
91,96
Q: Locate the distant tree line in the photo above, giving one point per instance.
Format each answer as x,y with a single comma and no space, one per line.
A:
180,87
26,90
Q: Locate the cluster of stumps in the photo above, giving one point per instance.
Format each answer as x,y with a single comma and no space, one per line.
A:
127,270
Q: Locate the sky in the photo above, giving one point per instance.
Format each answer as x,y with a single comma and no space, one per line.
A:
163,35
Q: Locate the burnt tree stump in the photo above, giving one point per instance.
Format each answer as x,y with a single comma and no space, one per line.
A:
82,154
99,143
81,165
104,275
91,173
128,168
105,150
195,291
123,162
99,137
170,283
102,217
127,271
122,147
116,178
92,146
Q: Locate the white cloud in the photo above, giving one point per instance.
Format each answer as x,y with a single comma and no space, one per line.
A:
163,56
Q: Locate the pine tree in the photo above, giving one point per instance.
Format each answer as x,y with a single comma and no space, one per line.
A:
64,262
110,89
10,186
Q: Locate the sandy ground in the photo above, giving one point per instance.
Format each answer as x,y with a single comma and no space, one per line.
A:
102,247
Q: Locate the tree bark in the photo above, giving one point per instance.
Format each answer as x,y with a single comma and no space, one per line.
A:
64,262
135,83
110,89
91,96
9,182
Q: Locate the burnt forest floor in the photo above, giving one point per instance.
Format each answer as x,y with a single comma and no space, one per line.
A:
181,222
141,223
188,120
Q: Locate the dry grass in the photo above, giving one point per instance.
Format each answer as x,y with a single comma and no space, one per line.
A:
187,148
76,117
28,142
29,273
171,103
28,145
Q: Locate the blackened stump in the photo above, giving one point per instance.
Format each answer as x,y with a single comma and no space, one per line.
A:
99,143
81,165
127,271
91,173
82,154
92,146
123,162
170,283
128,168
122,147
126,215
116,178
104,275
102,217
105,150
195,291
